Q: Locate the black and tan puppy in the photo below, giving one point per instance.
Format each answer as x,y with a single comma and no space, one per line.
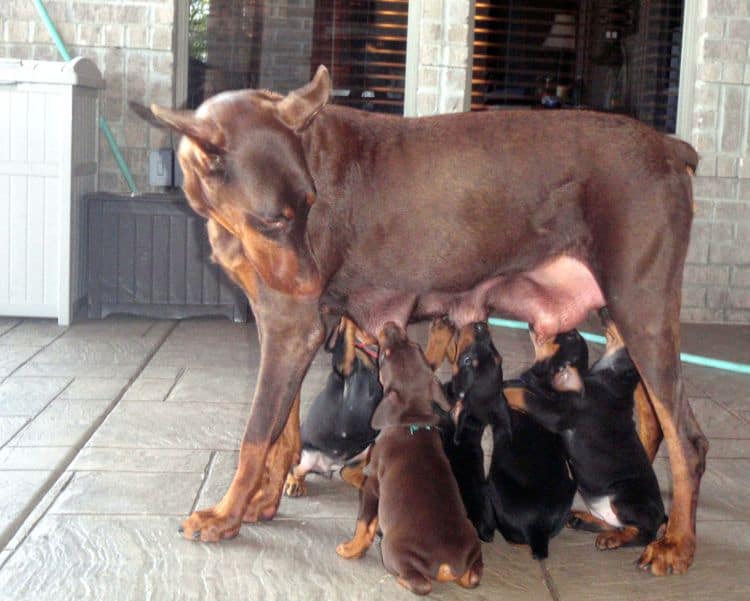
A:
336,433
529,488
463,448
410,493
594,413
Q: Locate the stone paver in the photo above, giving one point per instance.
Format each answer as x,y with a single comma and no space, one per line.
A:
28,396
154,424
107,526
127,493
63,423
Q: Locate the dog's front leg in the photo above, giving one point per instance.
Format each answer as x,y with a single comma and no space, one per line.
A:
290,332
367,522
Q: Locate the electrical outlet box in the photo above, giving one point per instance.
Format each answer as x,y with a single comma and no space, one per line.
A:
160,167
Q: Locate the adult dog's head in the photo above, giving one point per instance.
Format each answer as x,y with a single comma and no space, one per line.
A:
244,168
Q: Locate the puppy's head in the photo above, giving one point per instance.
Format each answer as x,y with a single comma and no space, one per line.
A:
409,386
478,381
561,362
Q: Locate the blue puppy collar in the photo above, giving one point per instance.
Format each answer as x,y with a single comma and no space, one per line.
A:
414,428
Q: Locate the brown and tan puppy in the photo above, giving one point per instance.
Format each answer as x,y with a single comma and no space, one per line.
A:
410,492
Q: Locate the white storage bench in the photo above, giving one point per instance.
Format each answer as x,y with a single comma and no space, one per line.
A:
48,163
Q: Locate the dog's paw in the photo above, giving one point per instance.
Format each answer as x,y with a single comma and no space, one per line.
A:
209,526
668,556
609,540
350,550
294,487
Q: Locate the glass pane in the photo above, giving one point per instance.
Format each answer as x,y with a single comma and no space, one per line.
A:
237,44
610,55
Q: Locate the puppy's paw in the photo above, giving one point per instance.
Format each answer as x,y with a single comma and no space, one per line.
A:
294,487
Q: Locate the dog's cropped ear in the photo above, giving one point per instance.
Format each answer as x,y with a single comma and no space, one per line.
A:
438,395
567,380
388,411
203,133
298,108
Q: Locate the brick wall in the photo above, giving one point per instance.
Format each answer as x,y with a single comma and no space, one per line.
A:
444,56
717,277
131,43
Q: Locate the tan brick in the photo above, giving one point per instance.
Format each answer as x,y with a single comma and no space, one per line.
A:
701,315
114,35
717,298
45,52
706,95
89,34
737,317
710,275
732,118
164,14
713,26
17,32
726,166
162,64
704,142
739,298
738,28
715,187
709,71
432,9
161,38
694,296
728,254
704,119
428,77
733,73
741,276
728,50
744,191
136,36
729,8
427,104
743,167
707,164
458,33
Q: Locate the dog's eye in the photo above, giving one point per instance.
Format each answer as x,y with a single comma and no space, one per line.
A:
466,361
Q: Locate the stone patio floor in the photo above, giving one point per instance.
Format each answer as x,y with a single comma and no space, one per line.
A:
112,431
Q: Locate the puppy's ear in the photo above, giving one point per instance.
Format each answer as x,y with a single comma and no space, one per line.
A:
567,380
298,108
438,395
387,411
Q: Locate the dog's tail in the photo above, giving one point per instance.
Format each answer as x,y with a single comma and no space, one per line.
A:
683,152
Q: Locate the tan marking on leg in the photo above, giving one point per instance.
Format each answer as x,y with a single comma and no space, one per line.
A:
649,430
347,362
364,534
295,484
674,552
281,455
354,475
616,538
224,519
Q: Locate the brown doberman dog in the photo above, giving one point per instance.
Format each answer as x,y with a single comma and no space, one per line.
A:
410,492
317,209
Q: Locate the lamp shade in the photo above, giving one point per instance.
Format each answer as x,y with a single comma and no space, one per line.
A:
562,34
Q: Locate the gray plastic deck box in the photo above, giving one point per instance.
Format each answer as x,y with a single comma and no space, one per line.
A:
149,256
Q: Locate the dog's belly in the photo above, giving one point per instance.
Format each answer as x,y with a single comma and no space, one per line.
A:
553,297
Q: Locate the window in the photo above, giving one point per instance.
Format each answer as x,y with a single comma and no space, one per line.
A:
237,44
610,55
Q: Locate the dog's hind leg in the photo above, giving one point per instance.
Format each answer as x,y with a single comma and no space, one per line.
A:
640,273
649,430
